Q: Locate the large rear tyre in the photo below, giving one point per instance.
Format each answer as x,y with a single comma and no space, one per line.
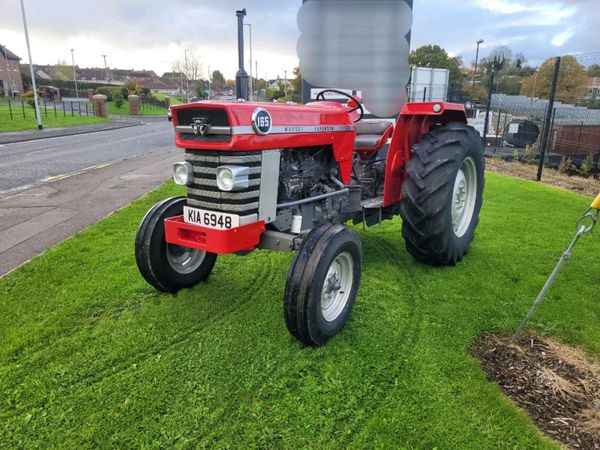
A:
322,284
168,267
442,195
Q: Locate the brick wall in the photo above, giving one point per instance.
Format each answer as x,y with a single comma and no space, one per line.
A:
13,73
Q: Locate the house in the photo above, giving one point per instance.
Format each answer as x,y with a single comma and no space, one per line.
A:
279,84
163,87
11,82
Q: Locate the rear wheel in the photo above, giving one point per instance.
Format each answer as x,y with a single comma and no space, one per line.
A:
443,194
165,266
322,284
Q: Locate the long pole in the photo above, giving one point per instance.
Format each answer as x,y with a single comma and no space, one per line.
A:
9,90
74,72
479,42
285,85
187,77
487,109
209,82
548,118
249,25
105,68
256,80
38,115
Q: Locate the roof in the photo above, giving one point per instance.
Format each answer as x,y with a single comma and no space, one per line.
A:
158,85
9,54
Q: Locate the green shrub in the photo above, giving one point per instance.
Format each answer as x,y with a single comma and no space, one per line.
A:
28,97
118,98
106,91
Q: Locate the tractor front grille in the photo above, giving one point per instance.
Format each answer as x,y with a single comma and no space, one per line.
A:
204,192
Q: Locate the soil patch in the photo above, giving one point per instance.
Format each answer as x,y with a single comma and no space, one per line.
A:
558,385
586,186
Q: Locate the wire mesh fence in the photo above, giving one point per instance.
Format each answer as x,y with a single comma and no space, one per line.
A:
556,119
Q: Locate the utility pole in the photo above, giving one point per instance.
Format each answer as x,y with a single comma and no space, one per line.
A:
285,85
548,118
187,77
209,82
38,115
105,69
241,77
256,78
479,42
74,72
249,25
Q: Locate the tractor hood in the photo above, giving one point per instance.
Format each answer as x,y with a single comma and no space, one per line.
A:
237,126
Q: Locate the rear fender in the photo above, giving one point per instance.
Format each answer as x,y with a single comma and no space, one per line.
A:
415,120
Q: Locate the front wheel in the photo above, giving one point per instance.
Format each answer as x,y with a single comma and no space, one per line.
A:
322,284
443,194
165,266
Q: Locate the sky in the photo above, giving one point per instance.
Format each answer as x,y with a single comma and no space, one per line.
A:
152,34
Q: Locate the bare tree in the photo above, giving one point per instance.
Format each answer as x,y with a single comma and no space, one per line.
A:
190,68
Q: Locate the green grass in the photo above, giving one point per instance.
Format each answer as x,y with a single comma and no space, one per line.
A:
145,111
29,122
91,356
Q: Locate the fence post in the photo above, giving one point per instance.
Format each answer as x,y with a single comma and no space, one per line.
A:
134,105
10,110
549,113
23,107
64,110
45,109
72,112
487,108
54,103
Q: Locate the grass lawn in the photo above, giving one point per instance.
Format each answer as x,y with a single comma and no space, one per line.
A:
91,356
29,122
145,111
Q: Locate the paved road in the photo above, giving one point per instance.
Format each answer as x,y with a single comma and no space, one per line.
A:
27,164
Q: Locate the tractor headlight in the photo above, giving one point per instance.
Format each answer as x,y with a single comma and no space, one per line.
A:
232,178
183,174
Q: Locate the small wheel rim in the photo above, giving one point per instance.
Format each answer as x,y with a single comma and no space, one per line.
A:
184,260
464,196
337,286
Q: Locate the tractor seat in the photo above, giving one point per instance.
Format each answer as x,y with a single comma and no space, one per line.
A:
371,136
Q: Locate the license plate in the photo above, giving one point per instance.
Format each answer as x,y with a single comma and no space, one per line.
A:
210,219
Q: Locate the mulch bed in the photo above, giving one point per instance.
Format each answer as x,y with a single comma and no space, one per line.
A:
558,385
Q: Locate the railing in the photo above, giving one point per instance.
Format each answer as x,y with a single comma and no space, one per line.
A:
19,109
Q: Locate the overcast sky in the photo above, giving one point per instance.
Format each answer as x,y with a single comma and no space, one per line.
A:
151,34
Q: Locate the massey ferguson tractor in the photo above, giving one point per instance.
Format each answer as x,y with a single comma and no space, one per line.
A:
290,177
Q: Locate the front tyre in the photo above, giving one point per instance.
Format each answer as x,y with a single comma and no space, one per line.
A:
322,284
443,194
168,267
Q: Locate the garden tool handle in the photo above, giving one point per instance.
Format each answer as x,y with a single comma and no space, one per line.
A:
596,203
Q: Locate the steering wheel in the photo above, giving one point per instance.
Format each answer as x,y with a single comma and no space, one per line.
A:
321,97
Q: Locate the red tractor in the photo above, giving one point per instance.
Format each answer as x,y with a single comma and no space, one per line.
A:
288,177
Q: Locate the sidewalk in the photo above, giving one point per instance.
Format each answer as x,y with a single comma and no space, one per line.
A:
34,220
31,135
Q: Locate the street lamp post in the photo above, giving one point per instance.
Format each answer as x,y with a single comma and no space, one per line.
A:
479,42
74,72
249,25
38,115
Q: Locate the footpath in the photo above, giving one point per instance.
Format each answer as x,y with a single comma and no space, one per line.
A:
35,219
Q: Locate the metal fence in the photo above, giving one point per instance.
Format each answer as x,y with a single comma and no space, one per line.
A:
559,130
19,109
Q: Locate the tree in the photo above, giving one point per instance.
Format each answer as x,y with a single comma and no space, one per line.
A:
594,70
572,84
62,71
499,58
297,85
190,68
131,86
435,56
218,81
